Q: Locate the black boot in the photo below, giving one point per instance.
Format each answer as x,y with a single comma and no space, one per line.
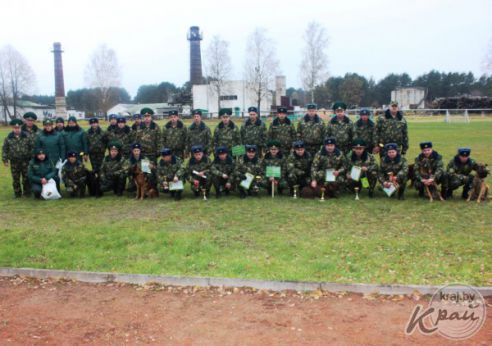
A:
177,196
466,191
401,193
421,192
371,193
242,194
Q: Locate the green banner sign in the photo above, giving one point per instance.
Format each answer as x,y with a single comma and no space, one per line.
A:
238,150
273,171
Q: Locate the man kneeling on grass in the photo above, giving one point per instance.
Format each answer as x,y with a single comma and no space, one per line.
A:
393,170
40,171
114,170
198,171
74,175
170,171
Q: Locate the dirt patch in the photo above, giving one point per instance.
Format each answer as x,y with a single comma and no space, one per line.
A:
58,311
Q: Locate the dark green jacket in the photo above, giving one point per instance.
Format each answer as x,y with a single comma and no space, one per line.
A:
365,131
52,143
75,139
40,169
431,166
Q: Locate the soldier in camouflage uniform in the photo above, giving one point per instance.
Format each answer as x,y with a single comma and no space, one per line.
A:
98,142
360,157
17,151
114,170
121,134
135,159
393,169
299,167
311,130
113,123
149,135
429,168
364,128
275,157
226,133
198,171
170,169
137,121
74,175
341,128
253,131
175,135
29,127
282,130
392,127
222,170
459,173
199,133
60,124
329,157
40,171
249,163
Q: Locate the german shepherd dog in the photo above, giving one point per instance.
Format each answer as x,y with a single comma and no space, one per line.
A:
94,184
479,189
144,187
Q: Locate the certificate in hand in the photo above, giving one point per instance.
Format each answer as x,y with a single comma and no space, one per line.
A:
330,176
146,166
355,173
246,183
174,186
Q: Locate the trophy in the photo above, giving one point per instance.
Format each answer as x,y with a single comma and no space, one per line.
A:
165,184
204,192
256,187
356,193
322,199
295,191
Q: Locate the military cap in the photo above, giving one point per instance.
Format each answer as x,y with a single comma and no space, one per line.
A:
330,140
173,113
38,151
60,120
71,154
339,105
72,118
15,122
166,152
197,149
281,110
114,145
113,116
225,111
251,148
252,110
221,150
311,106
93,121
197,112
464,152
137,116
273,144
359,143
393,103
136,146
425,145
364,112
47,122
298,144
30,115
120,120
146,110
391,146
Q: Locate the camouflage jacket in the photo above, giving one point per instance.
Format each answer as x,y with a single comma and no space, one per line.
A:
245,165
149,138
324,160
284,132
254,133
114,167
199,166
366,160
200,134
220,168
111,128
123,136
398,167
98,141
175,138
365,131
342,131
299,165
167,170
392,130
74,174
431,166
31,133
456,167
17,148
311,131
278,160
228,136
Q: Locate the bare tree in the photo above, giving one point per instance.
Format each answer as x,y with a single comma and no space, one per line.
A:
103,72
314,65
261,65
218,65
16,79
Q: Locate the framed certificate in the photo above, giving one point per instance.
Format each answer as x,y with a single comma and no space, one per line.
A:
355,173
174,186
146,166
330,176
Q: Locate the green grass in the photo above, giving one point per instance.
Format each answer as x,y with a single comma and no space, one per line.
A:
370,241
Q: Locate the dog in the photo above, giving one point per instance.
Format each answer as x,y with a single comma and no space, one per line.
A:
144,188
479,189
94,184
431,191
411,175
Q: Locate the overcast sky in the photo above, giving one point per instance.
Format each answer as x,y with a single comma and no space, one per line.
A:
372,38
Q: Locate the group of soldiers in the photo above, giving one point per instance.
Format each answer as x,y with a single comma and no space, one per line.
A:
313,158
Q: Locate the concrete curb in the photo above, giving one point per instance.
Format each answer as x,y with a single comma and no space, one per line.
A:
141,279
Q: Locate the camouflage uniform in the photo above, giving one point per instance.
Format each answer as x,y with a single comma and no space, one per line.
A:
149,138
175,138
312,132
113,174
166,171
124,137
325,160
218,169
392,130
459,174
365,160
254,167
398,167
365,131
280,161
74,176
227,136
254,134
428,167
151,177
299,169
199,166
284,132
98,142
200,135
31,132
18,150
342,131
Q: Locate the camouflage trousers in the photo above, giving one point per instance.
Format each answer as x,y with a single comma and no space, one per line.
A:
300,180
96,161
419,186
219,184
116,183
334,188
202,184
19,171
280,185
454,181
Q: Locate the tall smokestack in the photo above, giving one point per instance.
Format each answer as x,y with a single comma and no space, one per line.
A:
60,104
194,36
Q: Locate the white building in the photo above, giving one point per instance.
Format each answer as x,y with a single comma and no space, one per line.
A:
128,109
235,95
409,98
42,111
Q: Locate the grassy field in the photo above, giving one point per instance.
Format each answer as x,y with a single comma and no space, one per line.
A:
371,241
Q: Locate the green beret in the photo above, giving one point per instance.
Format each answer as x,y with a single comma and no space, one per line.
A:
393,103
38,151
114,145
225,111
30,115
146,110
15,122
311,106
359,143
273,144
60,120
47,122
72,118
339,105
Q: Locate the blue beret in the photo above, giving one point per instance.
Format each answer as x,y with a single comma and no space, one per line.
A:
364,112
311,106
252,109
93,121
121,120
166,152
330,140
425,145
136,146
173,113
391,146
251,148
464,151
298,144
71,154
197,112
113,116
281,110
137,116
221,150
197,148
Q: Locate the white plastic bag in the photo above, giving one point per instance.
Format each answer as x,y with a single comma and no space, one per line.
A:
50,191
